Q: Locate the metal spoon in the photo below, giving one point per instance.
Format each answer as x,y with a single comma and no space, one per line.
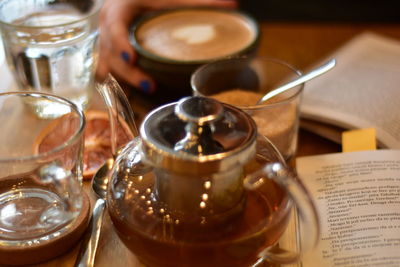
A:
89,245
301,79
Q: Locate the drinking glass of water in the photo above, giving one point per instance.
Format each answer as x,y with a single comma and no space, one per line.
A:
51,46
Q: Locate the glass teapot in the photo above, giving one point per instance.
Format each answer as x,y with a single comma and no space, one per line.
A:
200,187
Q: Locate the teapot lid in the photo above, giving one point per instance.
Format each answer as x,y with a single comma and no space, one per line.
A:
198,135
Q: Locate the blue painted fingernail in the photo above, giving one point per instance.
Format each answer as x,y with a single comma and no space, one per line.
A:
145,86
125,56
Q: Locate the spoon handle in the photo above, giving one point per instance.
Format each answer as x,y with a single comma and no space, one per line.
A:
89,244
303,78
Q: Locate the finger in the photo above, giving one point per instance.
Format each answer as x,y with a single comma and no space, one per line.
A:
121,47
117,54
132,74
116,23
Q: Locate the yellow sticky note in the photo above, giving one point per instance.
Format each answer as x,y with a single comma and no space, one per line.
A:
357,140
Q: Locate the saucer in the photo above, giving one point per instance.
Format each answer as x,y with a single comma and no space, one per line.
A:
47,249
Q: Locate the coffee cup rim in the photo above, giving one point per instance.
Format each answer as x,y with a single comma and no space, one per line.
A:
145,53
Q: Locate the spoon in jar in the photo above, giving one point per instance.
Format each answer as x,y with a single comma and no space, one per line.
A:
301,79
89,245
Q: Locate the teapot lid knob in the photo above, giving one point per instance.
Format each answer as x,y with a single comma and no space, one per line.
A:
199,113
198,110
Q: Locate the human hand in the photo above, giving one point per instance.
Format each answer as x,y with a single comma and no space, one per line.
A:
117,55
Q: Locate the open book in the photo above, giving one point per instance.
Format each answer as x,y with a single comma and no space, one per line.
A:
357,195
362,91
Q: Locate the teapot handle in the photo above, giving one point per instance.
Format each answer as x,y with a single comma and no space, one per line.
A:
305,207
118,108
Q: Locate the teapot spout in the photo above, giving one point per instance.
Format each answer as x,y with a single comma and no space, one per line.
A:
119,111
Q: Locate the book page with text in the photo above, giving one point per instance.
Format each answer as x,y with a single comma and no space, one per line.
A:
362,91
357,195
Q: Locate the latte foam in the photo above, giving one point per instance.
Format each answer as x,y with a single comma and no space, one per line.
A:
196,35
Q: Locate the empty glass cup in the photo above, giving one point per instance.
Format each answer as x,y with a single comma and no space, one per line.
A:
43,210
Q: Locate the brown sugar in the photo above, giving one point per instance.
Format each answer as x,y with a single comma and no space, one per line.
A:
238,97
276,121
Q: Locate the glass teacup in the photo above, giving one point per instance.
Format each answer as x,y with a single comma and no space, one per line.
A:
43,210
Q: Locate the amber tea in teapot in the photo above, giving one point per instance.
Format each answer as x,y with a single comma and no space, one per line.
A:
159,237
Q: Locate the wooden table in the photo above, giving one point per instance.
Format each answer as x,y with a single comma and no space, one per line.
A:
300,44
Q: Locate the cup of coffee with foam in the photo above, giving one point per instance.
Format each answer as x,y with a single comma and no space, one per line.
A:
171,44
